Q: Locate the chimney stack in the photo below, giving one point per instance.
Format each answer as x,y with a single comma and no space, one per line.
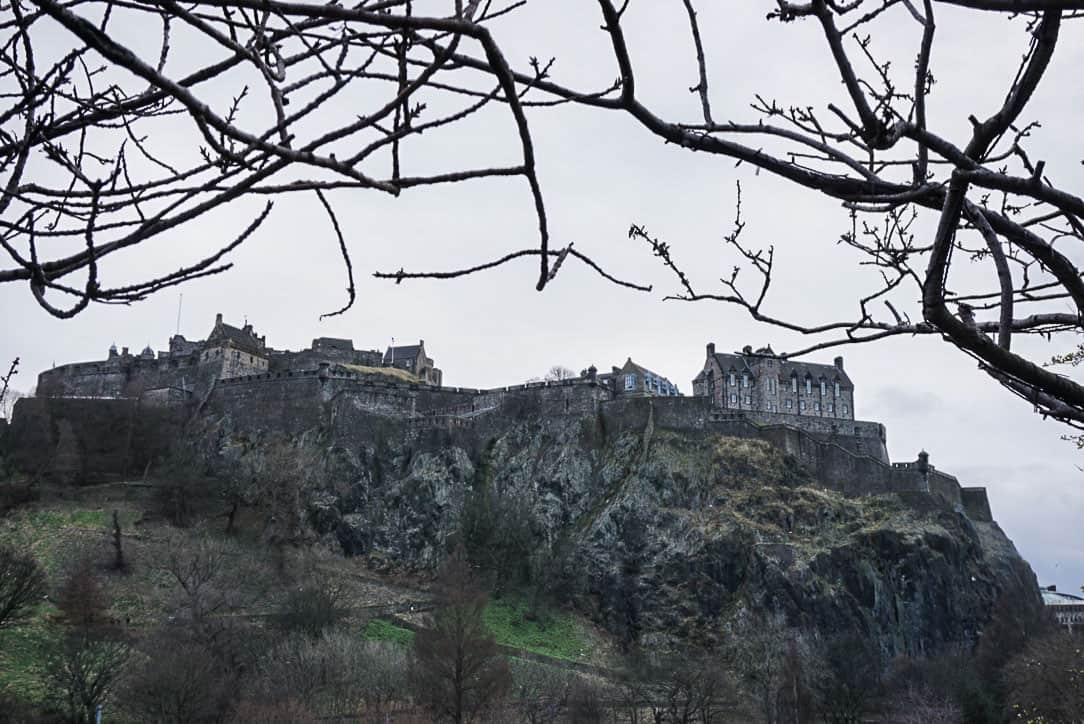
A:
711,349
218,319
839,363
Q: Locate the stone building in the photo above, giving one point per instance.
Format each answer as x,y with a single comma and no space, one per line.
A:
763,382
1068,609
189,369
413,359
332,350
632,380
241,351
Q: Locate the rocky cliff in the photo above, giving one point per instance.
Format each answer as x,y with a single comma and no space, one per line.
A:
653,532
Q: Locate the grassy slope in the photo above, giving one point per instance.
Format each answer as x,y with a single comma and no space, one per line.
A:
57,532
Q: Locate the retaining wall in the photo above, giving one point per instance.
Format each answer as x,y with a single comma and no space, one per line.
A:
88,441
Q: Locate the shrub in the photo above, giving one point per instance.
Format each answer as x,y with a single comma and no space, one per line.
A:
22,585
311,609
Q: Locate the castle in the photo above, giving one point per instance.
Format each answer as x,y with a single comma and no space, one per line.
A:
806,409
190,369
763,381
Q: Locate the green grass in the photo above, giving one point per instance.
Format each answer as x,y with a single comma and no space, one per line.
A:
45,532
555,634
381,630
23,653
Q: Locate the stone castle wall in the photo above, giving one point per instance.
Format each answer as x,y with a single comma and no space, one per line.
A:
832,457
88,441
128,376
96,438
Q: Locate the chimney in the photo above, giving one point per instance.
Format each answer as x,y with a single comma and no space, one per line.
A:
421,342
218,319
711,349
839,363
247,329
124,351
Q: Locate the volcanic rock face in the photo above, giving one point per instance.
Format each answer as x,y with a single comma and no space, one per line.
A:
659,534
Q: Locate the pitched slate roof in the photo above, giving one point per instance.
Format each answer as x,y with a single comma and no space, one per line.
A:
1057,598
238,337
787,367
402,353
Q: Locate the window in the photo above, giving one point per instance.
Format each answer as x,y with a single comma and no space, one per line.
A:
801,406
733,398
733,380
809,385
771,407
771,385
837,388
630,382
744,379
816,407
748,401
793,384
831,408
790,404
824,391
844,408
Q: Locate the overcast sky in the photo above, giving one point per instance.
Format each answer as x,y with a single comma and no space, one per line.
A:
600,173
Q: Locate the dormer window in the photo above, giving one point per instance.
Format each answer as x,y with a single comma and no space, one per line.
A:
824,389
794,384
809,385
733,379
837,388
630,382
744,379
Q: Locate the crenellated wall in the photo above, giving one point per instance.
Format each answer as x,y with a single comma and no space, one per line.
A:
69,437
832,457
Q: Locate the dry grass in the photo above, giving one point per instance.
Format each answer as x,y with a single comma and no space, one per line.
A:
398,374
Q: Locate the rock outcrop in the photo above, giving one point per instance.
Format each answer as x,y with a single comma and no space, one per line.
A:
658,533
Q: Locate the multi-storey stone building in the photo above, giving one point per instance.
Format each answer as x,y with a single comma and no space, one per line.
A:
413,359
632,380
763,382
190,368
241,351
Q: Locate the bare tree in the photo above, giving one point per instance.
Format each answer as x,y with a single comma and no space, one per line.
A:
457,670
177,679
893,162
851,678
687,687
22,585
255,85
335,674
542,692
84,669
92,114
81,599
1046,680
8,395
558,373
763,650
